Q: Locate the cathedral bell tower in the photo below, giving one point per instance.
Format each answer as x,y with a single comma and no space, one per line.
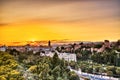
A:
49,44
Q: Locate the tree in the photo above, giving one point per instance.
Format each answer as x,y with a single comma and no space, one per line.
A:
33,69
14,52
109,73
58,49
111,68
72,64
62,48
79,55
118,43
56,72
73,76
118,71
98,46
55,60
8,67
2,78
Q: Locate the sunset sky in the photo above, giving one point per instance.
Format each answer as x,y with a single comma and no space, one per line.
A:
83,20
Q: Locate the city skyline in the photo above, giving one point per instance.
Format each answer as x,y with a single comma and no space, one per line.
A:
93,20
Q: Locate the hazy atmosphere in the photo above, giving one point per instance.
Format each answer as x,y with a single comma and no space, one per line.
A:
59,39
83,20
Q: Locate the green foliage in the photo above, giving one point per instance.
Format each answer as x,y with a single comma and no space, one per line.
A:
98,46
46,68
85,55
29,66
105,57
73,76
72,64
2,78
118,71
33,69
8,67
109,73
55,60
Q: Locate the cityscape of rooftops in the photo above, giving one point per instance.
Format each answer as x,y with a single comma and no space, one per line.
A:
59,40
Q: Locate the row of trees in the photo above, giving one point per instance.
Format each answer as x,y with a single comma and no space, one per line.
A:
102,69
105,57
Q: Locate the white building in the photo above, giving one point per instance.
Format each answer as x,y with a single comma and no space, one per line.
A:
66,56
3,49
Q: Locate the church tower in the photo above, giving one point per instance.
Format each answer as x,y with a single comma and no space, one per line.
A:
49,43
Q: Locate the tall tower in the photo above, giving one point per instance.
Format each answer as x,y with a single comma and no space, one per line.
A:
49,43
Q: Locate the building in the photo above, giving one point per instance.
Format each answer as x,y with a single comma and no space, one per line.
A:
66,56
3,48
